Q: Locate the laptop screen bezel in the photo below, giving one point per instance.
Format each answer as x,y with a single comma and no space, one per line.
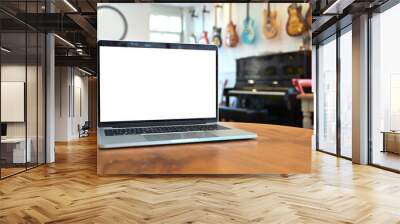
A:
145,123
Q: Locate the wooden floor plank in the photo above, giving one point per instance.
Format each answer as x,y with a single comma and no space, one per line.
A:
69,191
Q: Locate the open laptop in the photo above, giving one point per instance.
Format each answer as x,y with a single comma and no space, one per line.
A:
159,93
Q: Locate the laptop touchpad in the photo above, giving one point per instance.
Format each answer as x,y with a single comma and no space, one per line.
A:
174,136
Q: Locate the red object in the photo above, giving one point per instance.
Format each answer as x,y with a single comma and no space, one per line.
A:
300,83
204,38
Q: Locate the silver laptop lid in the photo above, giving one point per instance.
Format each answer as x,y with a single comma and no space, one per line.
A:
146,84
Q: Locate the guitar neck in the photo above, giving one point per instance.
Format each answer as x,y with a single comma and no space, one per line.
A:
216,16
247,10
269,9
230,11
202,19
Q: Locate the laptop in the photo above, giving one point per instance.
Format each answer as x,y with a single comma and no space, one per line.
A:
159,94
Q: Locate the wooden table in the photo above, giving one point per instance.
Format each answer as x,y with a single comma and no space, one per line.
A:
277,150
307,108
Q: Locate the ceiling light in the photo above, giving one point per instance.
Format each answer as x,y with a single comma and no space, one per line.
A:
64,40
84,71
70,5
5,50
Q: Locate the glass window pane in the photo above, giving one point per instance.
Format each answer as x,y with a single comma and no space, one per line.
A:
385,84
346,94
327,97
31,97
13,87
41,98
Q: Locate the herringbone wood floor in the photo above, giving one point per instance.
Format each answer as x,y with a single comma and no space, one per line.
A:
70,192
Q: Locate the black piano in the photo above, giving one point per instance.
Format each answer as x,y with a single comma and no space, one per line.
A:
264,92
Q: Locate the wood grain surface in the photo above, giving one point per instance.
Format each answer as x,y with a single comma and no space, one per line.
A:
277,150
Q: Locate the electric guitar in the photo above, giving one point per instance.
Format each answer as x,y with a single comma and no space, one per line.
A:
232,37
192,37
309,16
295,25
204,35
307,34
217,39
248,34
270,26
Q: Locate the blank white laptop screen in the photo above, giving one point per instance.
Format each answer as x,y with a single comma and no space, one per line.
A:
145,84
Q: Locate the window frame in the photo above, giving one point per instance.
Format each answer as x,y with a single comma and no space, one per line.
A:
380,9
335,36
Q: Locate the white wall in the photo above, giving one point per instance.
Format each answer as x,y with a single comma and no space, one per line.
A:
62,81
80,110
68,82
33,126
110,27
9,73
16,73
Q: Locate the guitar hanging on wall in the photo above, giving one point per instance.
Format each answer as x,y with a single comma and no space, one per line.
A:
309,16
270,25
204,35
249,30
307,34
217,39
295,25
192,37
232,37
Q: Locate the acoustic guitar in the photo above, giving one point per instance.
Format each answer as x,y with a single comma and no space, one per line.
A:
232,37
217,39
270,25
248,34
204,35
295,25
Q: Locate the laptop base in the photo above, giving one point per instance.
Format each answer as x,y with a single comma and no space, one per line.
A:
122,141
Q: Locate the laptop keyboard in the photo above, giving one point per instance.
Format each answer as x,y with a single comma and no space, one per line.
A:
167,129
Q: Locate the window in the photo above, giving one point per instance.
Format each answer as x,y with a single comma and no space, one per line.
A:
327,96
334,109
346,95
385,89
22,87
165,28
